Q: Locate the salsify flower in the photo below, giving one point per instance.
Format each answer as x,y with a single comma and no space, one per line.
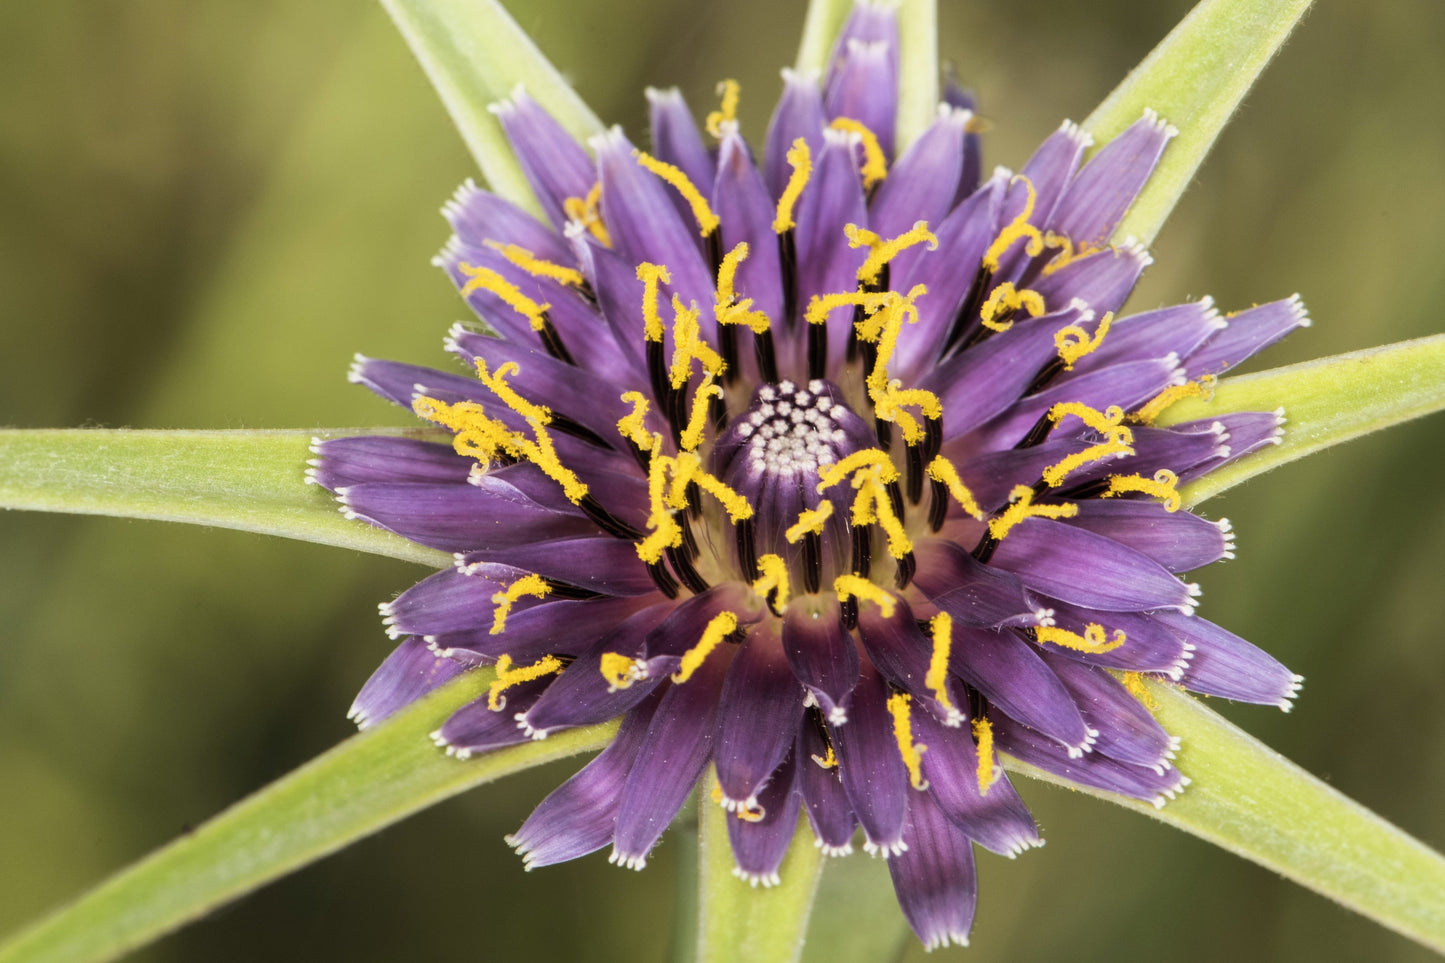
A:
830,471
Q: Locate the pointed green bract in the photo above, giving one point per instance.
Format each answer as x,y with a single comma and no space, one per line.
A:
1326,402
918,69
741,922
1250,800
1195,79
820,30
254,481
365,784
475,54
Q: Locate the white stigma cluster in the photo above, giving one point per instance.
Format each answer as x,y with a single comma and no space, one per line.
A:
791,432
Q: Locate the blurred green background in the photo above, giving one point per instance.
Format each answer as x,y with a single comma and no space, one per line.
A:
207,206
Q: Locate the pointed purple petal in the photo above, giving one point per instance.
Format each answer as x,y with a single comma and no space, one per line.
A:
900,650
1013,676
383,458
1227,666
871,768
758,717
478,216
1127,732
1248,333
821,652
456,518
410,672
1095,200
540,627
921,185
1148,645
799,114
975,595
675,138
1180,541
863,79
829,812
741,201
1154,334
476,727
826,262
935,879
555,165
1102,280
759,847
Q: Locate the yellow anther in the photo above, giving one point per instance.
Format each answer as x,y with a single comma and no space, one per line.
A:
890,401
941,628
507,677
738,508
727,111
1006,299
774,579
875,164
810,522
718,628
987,767
533,585
1067,253
912,752
1161,486
881,251
651,275
942,471
691,436
620,671
856,586
1095,639
1055,474
1074,342
827,761
801,160
1107,422
497,382
688,345
588,211
485,279
666,533
1017,228
873,506
888,311
633,426
857,461
729,310
1154,407
1021,507
537,267
707,221
1134,683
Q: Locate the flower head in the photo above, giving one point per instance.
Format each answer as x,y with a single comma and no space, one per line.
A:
831,469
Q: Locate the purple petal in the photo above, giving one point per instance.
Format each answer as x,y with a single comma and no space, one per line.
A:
960,99
1227,666
741,200
457,518
899,650
384,458
478,216
676,141
1249,332
758,717
870,766
863,74
537,628
476,727
410,672
1179,541
759,847
452,600
826,261
1097,198
821,652
1012,675
799,114
555,165
1155,334
1148,645
992,476
604,564
829,812
619,297
935,879
1102,280
921,185
1127,731
1245,432
975,595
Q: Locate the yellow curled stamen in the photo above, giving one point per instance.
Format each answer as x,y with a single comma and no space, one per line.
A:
941,628
827,761
889,404
1134,683
880,252
707,221
727,111
687,470
1161,486
774,578
718,628
942,471
1074,342
666,533
912,752
632,426
810,522
485,279
476,434
801,160
588,212
875,163
987,768
1006,299
1107,422
1154,407
620,671
537,267
1022,506
651,275
1067,252
855,586
728,309
688,345
691,436
507,677
533,585
1017,228
1094,639
497,383
1055,474
873,506
857,461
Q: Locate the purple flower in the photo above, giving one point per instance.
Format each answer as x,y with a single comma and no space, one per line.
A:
831,468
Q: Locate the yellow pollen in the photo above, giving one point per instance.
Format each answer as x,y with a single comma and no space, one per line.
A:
912,752
1067,253
1017,228
651,275
810,522
828,761
987,771
872,505
727,111
508,677
718,628
688,345
697,419
537,267
1055,474
1074,342
801,160
880,252
1107,422
774,578
889,404
1021,507
632,426
533,585
1095,639
728,309
666,532
1134,683
620,671
1006,299
707,221
497,382
856,586
941,470
941,628
485,279
857,461
875,164
588,211
1154,407
1161,486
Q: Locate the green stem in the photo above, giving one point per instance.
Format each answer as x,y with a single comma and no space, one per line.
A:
820,30
918,69
365,784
